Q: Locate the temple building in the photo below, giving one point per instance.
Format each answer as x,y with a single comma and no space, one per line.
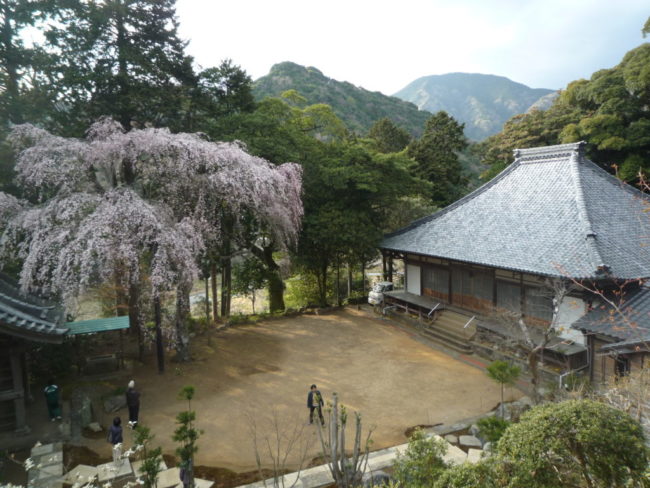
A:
27,322
532,245
24,320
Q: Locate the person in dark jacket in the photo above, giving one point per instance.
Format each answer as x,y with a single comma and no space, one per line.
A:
133,402
115,438
185,473
52,399
315,402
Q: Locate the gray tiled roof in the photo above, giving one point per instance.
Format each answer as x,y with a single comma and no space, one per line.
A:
28,317
552,212
628,328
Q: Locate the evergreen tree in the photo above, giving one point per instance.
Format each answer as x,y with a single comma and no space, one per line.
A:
25,93
121,58
609,111
436,155
389,137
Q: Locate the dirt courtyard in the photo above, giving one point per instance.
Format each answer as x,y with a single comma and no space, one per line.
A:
376,367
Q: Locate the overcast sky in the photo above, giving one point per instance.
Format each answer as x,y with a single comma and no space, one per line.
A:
384,45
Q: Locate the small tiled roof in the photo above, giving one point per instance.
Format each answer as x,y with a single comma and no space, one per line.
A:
98,325
628,328
28,317
552,212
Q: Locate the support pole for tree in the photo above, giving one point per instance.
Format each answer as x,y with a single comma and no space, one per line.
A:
215,296
338,282
207,301
349,280
159,339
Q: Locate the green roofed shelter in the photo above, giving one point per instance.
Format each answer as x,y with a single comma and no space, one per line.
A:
97,325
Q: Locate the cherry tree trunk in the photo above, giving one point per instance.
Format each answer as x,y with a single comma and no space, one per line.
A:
226,279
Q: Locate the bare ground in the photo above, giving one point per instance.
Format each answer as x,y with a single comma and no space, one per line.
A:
376,368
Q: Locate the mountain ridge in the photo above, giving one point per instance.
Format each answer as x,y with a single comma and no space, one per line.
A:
484,102
358,107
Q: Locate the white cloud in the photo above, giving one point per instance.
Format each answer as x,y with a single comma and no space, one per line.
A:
383,45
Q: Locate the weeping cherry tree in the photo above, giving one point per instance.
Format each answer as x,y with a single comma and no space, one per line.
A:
145,202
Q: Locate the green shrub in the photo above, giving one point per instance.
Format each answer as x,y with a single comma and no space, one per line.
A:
422,463
492,428
301,291
467,475
575,443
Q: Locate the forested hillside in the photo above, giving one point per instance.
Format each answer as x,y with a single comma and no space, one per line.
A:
356,106
482,102
610,111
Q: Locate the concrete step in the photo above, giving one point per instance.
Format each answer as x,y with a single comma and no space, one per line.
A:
452,317
455,324
449,330
441,336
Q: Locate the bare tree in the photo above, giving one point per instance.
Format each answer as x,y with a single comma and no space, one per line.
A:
279,443
559,288
346,471
534,338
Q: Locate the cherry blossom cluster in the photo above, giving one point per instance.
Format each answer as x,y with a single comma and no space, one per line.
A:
118,198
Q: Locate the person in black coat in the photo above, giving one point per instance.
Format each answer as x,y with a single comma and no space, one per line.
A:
315,402
133,402
115,438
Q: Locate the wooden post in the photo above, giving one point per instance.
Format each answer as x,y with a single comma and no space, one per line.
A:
19,394
349,280
390,268
207,301
121,363
215,295
159,339
338,283
383,267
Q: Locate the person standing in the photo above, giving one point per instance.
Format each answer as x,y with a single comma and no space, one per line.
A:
52,399
185,473
116,439
133,402
315,402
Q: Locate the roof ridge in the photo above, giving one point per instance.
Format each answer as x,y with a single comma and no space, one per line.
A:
549,152
597,260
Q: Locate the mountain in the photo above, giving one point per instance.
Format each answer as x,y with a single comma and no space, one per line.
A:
356,106
483,102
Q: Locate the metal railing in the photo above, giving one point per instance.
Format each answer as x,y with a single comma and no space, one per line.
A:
469,322
385,309
567,373
433,310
